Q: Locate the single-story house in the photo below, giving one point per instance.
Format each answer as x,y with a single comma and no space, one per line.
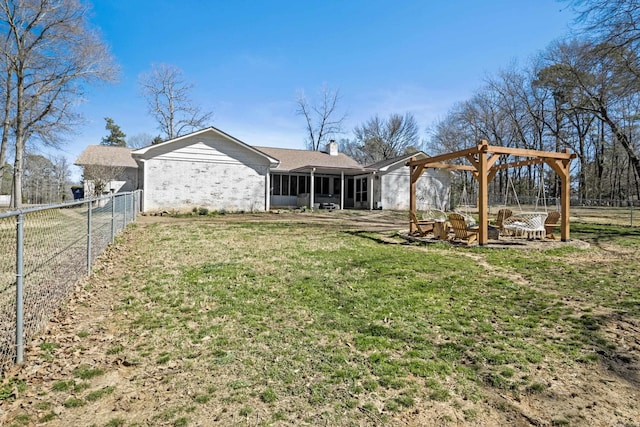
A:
214,170
108,169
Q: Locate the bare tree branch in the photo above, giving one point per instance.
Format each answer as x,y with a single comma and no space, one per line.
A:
381,139
48,52
169,101
322,120
97,177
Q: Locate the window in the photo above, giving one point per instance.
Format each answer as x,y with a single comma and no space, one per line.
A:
336,185
321,185
349,188
361,189
292,185
364,189
303,184
287,185
275,184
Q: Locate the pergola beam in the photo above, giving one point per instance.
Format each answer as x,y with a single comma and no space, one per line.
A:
444,157
449,166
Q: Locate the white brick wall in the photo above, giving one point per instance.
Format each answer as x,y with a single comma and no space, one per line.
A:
206,171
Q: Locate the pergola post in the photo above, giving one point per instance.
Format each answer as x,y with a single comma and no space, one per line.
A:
565,194
561,167
483,197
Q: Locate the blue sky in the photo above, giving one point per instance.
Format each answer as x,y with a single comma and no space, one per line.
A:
249,59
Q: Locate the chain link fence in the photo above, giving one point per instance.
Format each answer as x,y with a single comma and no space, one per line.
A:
44,251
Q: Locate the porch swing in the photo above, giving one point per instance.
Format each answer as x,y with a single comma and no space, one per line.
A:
432,213
526,224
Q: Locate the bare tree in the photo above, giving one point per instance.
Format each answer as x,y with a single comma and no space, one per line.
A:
48,52
614,22
6,121
380,139
322,119
61,178
6,179
140,140
98,176
169,101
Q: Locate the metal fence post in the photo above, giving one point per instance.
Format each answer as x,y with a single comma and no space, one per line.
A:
20,288
135,206
124,213
89,237
113,217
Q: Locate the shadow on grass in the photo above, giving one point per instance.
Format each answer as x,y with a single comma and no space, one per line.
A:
378,238
598,234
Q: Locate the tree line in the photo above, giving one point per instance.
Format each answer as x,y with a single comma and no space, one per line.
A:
49,54
581,93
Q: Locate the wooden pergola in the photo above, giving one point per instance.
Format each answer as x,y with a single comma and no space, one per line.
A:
484,166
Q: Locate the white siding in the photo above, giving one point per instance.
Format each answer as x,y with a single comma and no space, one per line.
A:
205,171
432,190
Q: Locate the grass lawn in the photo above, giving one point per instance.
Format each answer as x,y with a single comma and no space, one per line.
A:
296,322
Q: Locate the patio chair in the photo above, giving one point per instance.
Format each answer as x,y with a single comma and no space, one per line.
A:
550,223
423,227
460,230
502,215
529,225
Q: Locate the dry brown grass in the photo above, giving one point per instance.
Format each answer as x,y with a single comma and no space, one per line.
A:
331,319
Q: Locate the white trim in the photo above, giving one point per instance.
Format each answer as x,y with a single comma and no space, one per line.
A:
371,191
312,190
144,183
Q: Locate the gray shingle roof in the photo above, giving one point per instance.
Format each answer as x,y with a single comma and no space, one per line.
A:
104,155
291,159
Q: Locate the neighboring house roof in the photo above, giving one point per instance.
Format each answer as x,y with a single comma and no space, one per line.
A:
292,160
140,152
105,155
384,165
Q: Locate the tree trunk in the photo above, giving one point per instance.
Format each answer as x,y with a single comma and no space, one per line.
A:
6,123
16,198
16,194
634,160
